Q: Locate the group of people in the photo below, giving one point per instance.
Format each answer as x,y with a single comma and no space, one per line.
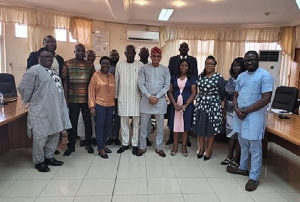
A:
57,91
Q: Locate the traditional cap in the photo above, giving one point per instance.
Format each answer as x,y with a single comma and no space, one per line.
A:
155,50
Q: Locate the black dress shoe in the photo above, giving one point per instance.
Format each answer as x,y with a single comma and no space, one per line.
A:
94,141
107,150
122,149
68,152
170,141
109,141
149,143
135,150
199,156
89,149
188,143
206,158
42,167
57,152
102,154
82,143
53,162
117,142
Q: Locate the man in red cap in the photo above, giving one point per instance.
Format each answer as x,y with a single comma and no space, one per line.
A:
154,83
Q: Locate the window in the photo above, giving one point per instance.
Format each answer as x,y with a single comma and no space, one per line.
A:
61,34
71,39
20,30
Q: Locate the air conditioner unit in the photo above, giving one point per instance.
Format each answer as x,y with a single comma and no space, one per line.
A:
270,60
147,36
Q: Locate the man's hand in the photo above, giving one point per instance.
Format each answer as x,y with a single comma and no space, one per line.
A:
240,114
153,100
93,111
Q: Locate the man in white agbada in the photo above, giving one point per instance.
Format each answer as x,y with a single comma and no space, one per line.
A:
41,89
129,97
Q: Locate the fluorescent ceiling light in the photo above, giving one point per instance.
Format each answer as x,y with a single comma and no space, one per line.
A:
298,3
165,14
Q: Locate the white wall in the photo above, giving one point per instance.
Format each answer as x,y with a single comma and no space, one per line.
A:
117,36
16,52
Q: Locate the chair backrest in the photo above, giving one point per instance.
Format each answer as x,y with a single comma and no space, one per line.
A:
8,85
285,98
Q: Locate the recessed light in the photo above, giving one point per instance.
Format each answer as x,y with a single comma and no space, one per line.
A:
179,3
141,2
165,14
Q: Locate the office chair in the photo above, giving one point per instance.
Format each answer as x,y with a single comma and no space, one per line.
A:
285,98
8,85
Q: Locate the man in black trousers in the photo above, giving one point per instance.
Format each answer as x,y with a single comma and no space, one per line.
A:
173,66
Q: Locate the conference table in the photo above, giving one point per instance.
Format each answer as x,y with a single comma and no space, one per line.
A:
285,132
13,126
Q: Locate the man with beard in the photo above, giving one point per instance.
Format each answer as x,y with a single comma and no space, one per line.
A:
252,94
113,136
77,74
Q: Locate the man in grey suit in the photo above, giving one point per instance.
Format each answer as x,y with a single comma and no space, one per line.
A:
173,66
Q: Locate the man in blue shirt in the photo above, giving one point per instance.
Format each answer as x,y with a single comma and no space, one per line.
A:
252,94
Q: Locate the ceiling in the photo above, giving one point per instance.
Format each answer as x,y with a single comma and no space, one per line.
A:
216,13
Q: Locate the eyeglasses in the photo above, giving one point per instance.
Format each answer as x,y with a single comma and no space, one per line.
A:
210,64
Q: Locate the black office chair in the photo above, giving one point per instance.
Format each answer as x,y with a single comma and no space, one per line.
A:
285,98
8,85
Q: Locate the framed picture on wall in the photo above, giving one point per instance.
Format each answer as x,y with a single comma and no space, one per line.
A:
100,39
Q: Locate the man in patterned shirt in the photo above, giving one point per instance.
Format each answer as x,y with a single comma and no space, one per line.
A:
77,74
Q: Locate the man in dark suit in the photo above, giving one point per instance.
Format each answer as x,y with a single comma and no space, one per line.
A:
50,43
58,62
173,66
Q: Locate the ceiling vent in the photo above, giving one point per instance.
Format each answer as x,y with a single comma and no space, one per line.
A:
148,36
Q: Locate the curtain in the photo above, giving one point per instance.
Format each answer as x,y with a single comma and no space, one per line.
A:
40,23
225,53
229,43
37,35
287,40
219,34
199,49
81,30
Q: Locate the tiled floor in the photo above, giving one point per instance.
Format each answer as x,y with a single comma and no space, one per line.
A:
124,177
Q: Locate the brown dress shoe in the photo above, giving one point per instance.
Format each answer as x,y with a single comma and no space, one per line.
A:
251,185
141,152
236,170
160,153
